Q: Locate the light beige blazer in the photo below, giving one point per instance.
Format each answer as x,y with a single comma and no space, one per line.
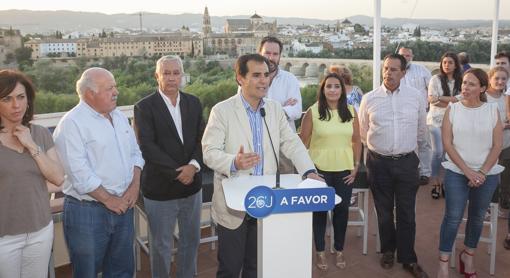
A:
227,129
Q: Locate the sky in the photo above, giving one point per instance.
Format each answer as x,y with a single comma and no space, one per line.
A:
320,9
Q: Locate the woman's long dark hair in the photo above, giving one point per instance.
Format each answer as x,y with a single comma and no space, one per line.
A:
457,75
341,106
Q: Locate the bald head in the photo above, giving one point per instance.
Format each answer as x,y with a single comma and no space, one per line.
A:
89,79
98,89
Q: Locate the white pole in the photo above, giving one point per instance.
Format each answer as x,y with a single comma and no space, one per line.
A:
495,23
377,45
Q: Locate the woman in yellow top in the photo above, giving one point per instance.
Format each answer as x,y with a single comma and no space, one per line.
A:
330,131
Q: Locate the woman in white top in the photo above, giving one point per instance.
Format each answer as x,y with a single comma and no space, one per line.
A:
472,138
442,90
498,77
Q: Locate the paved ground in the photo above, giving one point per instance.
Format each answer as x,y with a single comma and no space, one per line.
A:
429,216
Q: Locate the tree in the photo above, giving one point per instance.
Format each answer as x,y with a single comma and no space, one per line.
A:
192,54
9,58
23,57
10,32
417,32
50,78
358,28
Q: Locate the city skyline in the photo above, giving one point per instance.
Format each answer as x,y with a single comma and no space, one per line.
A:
319,9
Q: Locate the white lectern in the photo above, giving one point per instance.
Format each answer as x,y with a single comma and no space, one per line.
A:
284,240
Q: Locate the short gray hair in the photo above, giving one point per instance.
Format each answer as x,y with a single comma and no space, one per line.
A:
169,58
87,80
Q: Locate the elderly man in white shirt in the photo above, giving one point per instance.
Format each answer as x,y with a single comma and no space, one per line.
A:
392,124
418,77
98,149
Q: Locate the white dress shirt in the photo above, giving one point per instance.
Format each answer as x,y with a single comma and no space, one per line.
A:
393,123
96,152
175,112
418,77
284,86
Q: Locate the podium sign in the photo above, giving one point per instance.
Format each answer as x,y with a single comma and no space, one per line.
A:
262,201
284,225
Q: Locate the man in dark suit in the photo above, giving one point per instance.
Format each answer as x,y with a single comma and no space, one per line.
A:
169,126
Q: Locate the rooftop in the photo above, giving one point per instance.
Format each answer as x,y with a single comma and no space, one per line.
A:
429,213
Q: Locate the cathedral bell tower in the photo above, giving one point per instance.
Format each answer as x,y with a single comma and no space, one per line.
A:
206,23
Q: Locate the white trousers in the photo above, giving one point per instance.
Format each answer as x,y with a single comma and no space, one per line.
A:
26,255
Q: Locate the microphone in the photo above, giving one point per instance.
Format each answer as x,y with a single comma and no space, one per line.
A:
263,114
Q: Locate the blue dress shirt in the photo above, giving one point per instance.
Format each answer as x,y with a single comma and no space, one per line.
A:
256,130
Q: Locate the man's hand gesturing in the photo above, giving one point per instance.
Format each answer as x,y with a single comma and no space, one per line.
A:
246,160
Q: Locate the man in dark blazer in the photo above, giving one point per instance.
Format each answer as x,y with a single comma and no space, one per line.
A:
169,126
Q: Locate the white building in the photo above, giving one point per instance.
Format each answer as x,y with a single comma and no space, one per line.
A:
340,40
62,47
312,47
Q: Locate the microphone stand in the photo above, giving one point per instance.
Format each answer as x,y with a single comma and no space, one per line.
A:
263,114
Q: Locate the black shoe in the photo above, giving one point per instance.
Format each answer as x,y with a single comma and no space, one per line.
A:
387,260
435,192
424,180
506,243
416,270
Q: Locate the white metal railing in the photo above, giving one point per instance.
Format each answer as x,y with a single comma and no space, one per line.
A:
50,120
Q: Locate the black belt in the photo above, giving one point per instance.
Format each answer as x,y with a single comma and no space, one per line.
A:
84,201
392,156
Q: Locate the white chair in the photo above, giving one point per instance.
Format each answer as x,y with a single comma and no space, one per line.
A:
361,209
57,214
208,223
206,217
141,242
491,238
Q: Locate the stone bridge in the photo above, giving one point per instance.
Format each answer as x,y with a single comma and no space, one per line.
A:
310,68
315,67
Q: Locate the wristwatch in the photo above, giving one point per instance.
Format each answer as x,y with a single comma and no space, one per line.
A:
309,172
37,152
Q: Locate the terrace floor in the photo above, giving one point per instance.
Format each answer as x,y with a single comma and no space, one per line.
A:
429,213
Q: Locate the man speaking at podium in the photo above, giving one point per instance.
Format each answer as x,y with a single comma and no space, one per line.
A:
236,141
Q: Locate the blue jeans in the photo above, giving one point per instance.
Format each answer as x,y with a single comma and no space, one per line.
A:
457,194
98,240
162,216
437,150
340,212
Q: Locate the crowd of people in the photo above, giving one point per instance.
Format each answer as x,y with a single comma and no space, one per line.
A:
450,130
